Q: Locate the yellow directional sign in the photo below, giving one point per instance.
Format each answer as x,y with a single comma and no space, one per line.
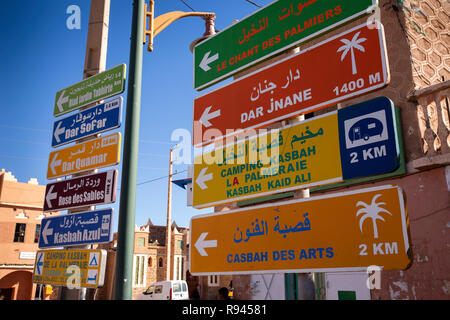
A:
301,155
70,268
346,231
97,153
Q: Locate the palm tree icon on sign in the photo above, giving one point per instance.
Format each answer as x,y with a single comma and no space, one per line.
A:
350,46
371,211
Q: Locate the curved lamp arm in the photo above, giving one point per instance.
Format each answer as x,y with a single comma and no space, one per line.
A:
161,22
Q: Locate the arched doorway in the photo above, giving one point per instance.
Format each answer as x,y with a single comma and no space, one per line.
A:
17,285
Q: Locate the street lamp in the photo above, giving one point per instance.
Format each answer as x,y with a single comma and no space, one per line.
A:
156,25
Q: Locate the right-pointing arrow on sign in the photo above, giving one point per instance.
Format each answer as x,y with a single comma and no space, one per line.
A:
202,178
204,64
201,244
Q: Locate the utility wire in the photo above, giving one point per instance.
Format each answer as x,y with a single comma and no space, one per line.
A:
187,5
165,177
155,141
23,128
22,141
21,158
254,3
155,179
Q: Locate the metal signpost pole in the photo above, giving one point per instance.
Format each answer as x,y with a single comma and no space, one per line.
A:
169,218
125,241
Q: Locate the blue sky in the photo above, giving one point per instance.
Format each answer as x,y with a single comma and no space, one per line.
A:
40,56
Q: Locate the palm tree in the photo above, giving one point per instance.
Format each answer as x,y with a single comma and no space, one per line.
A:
349,46
371,211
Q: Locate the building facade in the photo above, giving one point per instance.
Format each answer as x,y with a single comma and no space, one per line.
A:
21,206
418,48
149,258
149,262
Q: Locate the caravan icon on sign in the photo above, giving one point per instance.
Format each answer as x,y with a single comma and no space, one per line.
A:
366,129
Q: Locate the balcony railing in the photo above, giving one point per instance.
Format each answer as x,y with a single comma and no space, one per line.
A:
434,124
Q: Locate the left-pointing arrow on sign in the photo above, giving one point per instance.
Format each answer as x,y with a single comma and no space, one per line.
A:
201,244
62,100
51,196
47,231
202,178
58,132
204,64
39,263
206,116
55,163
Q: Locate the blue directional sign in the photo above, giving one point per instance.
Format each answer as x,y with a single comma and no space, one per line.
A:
76,229
368,138
101,118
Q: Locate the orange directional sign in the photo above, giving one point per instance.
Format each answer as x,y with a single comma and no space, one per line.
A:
346,231
337,69
97,153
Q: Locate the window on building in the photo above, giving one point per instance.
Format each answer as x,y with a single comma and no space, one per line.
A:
182,269
150,261
141,242
160,263
180,244
213,280
19,234
139,270
177,267
37,233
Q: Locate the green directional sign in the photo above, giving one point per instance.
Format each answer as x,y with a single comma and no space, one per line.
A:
270,30
101,86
